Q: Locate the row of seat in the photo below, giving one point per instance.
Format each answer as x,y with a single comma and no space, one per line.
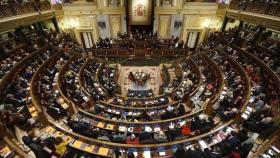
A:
105,148
257,6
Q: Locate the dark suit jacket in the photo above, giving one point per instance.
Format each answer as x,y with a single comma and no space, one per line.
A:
197,153
211,154
145,136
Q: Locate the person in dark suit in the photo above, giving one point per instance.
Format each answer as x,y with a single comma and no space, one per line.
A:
196,152
215,153
231,141
174,133
180,152
144,135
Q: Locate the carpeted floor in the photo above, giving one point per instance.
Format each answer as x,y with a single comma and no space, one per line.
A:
153,83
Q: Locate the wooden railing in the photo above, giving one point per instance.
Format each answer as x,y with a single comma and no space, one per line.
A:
274,79
4,82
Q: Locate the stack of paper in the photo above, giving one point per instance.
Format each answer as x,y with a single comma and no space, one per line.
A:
245,116
122,128
103,151
100,125
86,99
182,123
135,154
148,129
202,144
77,144
157,129
147,154
161,153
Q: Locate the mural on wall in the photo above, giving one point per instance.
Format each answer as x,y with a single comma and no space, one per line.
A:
176,25
102,25
140,12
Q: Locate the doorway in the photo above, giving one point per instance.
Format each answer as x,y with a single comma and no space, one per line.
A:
192,39
87,40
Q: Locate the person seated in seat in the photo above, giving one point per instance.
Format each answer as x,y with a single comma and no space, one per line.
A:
132,139
174,132
104,135
215,153
231,142
185,130
202,126
181,109
35,147
81,127
180,152
145,136
160,137
120,137
146,116
194,152
259,124
226,113
60,146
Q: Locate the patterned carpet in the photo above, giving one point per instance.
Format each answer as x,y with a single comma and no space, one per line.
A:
153,83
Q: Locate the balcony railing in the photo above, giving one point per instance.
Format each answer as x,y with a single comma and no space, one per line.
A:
13,9
257,6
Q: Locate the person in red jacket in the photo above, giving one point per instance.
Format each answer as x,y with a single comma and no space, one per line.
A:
185,130
132,139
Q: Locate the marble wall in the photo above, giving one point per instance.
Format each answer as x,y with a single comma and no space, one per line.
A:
101,20
182,18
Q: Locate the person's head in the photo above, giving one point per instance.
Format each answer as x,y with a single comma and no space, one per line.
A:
217,149
161,133
132,137
196,146
130,155
234,110
180,147
58,140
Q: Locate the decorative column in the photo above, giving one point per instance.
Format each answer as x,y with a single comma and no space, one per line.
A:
173,3
157,3
225,21
41,29
105,3
20,34
55,24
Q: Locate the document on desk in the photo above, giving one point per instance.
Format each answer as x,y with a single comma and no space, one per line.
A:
245,116
157,129
202,144
182,123
32,109
110,126
147,154
77,144
162,153
135,154
103,151
122,128
100,125
89,148
148,129
65,106
86,99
